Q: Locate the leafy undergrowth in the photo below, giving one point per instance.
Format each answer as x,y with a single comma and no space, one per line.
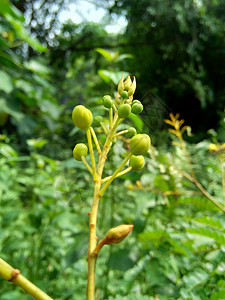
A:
177,247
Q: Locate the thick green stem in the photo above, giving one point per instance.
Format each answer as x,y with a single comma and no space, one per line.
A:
94,210
13,275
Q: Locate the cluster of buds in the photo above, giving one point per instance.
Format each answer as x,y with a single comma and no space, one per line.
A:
119,108
124,98
122,106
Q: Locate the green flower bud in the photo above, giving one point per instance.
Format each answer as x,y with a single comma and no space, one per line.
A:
97,121
127,83
131,132
139,144
107,101
132,88
136,102
82,117
124,94
137,108
117,234
124,110
121,85
79,151
137,162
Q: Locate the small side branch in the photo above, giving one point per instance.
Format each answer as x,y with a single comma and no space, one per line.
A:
87,165
96,141
14,275
91,153
121,132
103,189
119,174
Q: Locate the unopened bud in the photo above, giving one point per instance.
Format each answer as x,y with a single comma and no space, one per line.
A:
82,117
132,88
79,151
117,234
137,162
137,108
139,144
121,85
107,101
124,94
127,84
131,132
124,110
97,121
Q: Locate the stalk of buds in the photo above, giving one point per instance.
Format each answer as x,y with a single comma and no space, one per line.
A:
119,108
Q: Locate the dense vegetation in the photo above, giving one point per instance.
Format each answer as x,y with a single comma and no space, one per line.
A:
177,247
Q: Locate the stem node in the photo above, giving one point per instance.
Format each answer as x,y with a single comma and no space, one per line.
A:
15,273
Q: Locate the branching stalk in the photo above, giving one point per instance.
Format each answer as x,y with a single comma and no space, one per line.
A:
95,140
93,214
102,191
87,165
121,132
118,175
91,153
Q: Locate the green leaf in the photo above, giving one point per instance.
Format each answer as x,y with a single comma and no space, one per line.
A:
11,107
218,295
16,19
120,260
37,67
6,8
7,150
210,221
160,183
121,57
113,76
198,276
153,235
37,143
78,249
105,53
6,84
51,109
213,234
138,123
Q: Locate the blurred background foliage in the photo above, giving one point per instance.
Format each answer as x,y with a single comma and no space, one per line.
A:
176,51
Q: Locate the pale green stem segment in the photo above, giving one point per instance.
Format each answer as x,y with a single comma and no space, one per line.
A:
91,153
13,275
110,117
118,175
100,245
96,141
121,132
86,164
94,209
114,107
103,189
104,128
